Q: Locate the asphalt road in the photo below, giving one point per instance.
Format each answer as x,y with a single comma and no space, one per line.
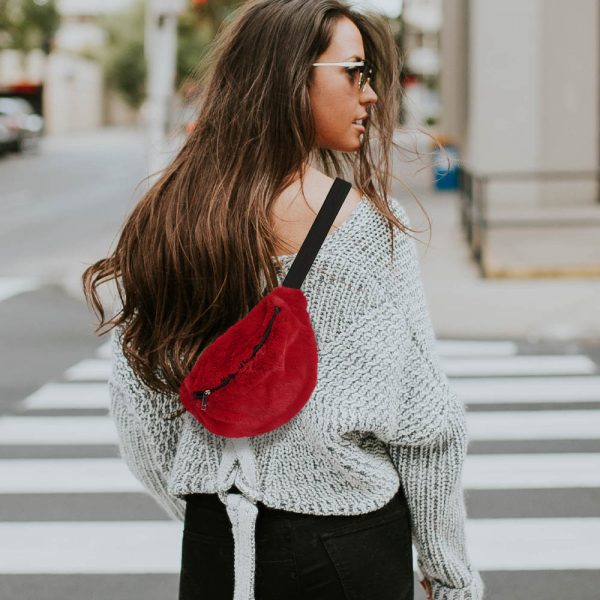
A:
60,209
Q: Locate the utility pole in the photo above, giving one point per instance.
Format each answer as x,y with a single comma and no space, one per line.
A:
160,50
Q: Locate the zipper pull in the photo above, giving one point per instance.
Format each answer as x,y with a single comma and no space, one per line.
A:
205,398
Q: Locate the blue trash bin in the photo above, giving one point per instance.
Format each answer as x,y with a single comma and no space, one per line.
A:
445,176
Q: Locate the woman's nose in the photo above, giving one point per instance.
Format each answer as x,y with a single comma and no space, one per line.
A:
368,93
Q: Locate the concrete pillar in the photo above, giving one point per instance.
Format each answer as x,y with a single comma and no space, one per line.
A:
569,119
35,65
11,66
454,58
72,94
520,92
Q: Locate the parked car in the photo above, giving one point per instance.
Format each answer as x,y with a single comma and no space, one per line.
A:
24,126
6,136
9,133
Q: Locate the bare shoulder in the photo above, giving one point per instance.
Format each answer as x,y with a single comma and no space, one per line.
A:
294,212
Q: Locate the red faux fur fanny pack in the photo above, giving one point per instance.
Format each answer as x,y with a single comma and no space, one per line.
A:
261,371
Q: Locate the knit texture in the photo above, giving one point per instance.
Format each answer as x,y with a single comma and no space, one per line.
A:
381,415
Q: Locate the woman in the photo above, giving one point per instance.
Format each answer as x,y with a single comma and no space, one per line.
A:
328,505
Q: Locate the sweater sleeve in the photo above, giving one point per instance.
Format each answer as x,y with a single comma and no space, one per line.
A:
431,479
431,471
148,452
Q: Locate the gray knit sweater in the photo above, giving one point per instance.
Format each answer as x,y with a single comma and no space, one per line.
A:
382,415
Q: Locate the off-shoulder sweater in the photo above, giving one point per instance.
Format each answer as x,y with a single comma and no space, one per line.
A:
381,415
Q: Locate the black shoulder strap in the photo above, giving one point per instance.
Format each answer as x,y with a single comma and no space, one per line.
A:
317,233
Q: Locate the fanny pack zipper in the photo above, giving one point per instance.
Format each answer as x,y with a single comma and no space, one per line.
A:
204,394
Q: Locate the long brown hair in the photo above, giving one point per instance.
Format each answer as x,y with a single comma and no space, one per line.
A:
194,254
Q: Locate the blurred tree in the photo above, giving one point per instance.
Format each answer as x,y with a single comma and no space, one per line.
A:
28,24
197,26
123,56
214,12
194,34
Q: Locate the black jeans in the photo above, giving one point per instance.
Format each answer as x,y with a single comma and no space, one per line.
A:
300,556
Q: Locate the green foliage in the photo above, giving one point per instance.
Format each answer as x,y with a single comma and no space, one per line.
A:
193,36
123,57
27,24
128,72
196,28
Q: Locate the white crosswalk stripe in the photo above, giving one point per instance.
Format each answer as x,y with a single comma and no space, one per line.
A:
57,430
532,471
534,425
13,286
535,544
154,547
90,369
481,372
68,396
497,425
90,547
103,351
518,365
65,476
467,348
482,471
492,390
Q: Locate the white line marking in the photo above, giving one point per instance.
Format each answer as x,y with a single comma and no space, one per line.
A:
103,351
57,431
458,348
531,471
12,286
90,369
528,389
481,472
496,425
519,365
90,547
534,544
68,395
534,425
66,475
113,547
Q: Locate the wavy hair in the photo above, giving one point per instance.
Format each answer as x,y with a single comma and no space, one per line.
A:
193,256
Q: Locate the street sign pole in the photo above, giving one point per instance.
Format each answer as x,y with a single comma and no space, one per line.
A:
160,50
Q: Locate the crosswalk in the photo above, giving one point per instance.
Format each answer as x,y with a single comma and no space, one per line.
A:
69,506
13,286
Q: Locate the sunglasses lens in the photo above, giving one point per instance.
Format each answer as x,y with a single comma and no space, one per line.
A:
367,74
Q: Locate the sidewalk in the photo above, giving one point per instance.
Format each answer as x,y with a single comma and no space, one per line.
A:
464,305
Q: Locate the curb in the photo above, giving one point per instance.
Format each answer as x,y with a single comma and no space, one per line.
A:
531,272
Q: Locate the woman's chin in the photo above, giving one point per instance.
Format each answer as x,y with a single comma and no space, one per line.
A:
359,141
350,145
355,142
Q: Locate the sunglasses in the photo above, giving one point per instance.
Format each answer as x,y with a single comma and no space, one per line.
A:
361,71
